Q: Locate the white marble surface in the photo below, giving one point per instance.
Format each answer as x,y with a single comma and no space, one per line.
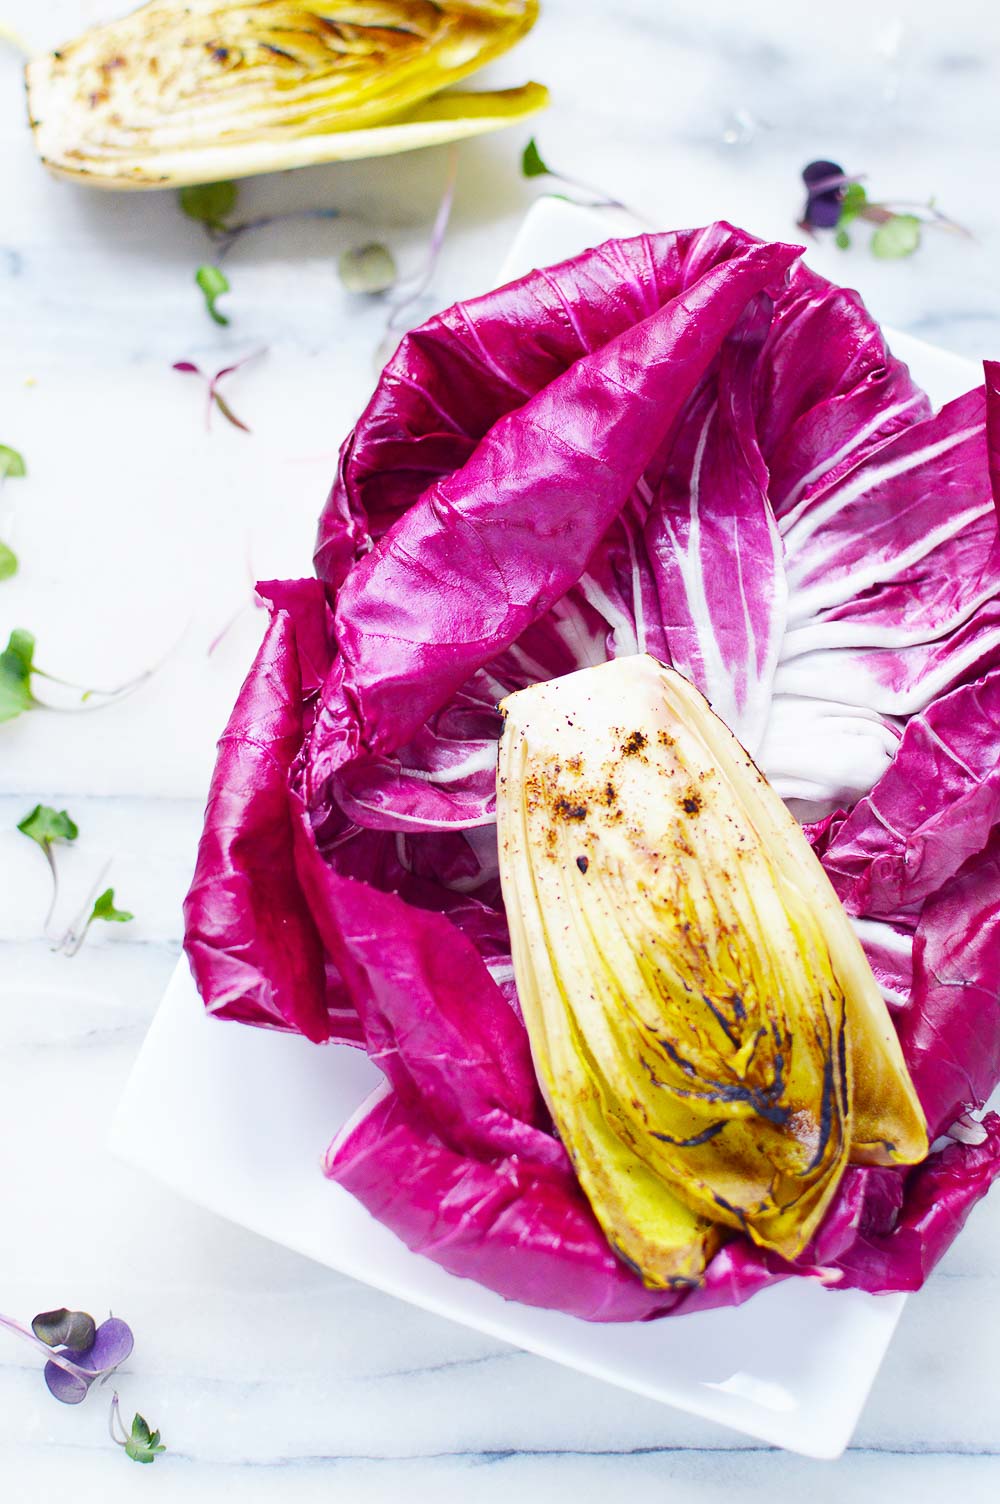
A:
270,1377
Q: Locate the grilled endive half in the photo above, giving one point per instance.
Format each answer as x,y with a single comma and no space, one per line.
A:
194,91
706,1029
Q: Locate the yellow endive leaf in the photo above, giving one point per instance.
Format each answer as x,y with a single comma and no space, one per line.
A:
192,91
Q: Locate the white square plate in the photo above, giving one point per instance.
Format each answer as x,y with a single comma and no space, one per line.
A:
237,1119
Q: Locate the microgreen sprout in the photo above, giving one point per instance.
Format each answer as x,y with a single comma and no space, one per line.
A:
104,908
835,201
397,319
141,1443
211,204
18,670
534,165
47,827
78,1352
227,238
99,908
213,283
215,397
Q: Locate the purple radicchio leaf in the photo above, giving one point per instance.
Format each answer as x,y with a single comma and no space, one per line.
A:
933,808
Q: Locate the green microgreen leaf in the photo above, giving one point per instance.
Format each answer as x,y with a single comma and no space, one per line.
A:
854,202
532,163
12,464
897,237
842,239
104,908
16,668
45,825
143,1445
209,203
367,269
8,562
213,284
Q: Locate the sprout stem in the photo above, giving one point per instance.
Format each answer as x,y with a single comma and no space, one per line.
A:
50,858
75,936
229,625
226,236
438,233
115,1419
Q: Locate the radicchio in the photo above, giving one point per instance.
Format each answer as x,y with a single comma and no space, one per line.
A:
684,443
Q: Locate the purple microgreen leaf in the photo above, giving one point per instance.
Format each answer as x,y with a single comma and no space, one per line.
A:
113,1343
213,283
76,1330
228,370
214,396
69,1382
896,237
66,1385
12,464
8,561
69,1371
209,203
826,185
820,175
367,269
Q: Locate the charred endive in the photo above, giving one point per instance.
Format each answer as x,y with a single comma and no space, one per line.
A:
194,91
707,1031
